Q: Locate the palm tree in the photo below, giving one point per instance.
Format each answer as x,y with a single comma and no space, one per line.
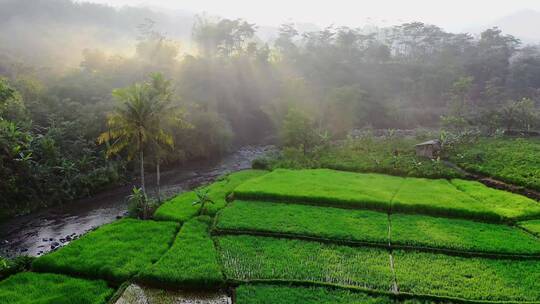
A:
132,125
161,96
203,199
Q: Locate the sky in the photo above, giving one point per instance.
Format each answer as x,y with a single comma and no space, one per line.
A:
452,15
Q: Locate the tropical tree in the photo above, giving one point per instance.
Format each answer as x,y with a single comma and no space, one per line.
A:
203,199
167,114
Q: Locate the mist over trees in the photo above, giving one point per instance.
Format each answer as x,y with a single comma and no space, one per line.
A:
234,88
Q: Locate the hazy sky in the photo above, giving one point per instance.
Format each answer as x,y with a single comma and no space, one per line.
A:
453,15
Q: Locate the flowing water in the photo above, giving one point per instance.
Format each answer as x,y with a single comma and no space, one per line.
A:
43,231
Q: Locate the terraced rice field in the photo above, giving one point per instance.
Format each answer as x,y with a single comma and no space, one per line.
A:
457,198
311,236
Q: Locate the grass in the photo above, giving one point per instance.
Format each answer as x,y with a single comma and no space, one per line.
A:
463,235
114,252
390,193
249,258
467,278
190,263
501,202
514,161
181,209
531,226
394,156
44,288
323,186
311,221
263,294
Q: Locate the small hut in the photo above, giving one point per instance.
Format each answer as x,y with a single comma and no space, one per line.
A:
429,149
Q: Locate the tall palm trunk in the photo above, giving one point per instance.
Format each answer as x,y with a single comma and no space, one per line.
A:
143,184
158,179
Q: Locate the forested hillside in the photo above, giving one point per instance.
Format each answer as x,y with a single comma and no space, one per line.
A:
233,87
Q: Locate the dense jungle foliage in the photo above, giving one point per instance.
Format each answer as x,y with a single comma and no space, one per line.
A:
234,88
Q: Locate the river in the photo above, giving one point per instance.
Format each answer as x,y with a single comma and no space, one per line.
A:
40,232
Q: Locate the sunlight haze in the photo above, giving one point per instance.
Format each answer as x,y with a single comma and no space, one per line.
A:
456,15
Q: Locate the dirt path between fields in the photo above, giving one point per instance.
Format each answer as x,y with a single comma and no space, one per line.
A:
495,183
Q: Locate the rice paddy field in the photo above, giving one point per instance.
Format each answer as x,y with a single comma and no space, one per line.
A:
513,160
309,236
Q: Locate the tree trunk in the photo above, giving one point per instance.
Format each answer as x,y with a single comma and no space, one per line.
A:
143,187
145,203
158,179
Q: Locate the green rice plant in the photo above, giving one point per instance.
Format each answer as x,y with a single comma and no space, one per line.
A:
389,193
323,186
467,278
114,252
264,294
511,160
190,263
302,220
45,288
181,207
505,203
462,235
248,258
437,197
531,226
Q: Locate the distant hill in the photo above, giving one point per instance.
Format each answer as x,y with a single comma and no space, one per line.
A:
523,24
57,31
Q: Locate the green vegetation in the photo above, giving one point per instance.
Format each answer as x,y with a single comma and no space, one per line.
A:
501,202
181,208
263,294
114,252
44,288
532,226
190,263
463,235
323,186
383,192
514,161
467,278
388,155
329,223
435,197
249,258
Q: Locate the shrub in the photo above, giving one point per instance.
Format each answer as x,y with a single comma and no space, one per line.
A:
12,266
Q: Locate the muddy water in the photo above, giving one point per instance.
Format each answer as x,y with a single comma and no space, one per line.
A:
38,233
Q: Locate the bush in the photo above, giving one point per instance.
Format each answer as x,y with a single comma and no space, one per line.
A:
12,266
